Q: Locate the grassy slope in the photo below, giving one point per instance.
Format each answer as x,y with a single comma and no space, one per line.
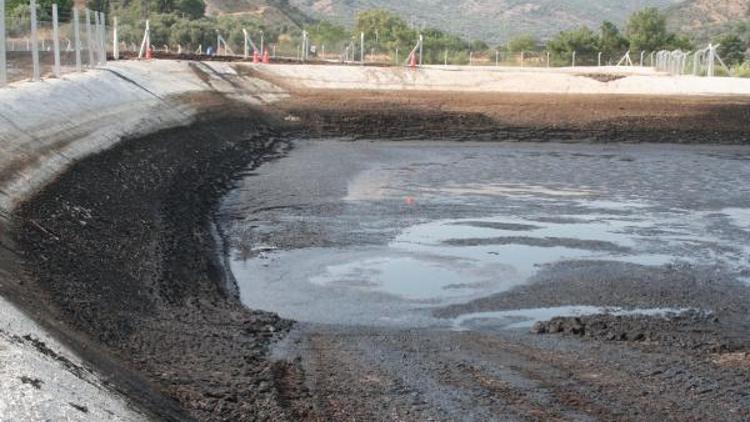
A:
273,12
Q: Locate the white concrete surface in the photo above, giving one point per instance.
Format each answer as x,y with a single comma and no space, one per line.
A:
38,387
636,81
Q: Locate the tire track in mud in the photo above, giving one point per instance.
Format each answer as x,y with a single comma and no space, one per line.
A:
380,374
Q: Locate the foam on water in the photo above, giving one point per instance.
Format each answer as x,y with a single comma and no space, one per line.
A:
525,318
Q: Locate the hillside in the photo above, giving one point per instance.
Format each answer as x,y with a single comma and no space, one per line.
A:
273,12
490,20
706,18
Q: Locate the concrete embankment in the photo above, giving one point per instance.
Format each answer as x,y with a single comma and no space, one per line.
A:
580,80
109,245
45,128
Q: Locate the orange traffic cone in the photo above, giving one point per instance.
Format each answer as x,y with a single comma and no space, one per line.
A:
256,59
149,53
266,57
413,61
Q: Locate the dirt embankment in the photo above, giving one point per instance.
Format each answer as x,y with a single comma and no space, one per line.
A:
519,117
122,251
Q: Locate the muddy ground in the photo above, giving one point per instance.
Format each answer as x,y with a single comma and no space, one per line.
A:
120,255
519,117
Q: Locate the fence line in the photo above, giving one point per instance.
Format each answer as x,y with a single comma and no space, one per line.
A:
31,48
703,61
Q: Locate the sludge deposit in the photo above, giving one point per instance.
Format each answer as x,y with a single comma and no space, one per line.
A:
380,256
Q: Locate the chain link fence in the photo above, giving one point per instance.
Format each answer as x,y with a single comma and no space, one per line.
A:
37,43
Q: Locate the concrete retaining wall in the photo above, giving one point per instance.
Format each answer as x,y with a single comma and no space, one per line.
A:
634,81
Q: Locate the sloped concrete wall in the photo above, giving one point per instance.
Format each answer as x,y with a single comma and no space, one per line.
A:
579,80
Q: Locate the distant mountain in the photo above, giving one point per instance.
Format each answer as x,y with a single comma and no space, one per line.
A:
490,20
703,19
274,12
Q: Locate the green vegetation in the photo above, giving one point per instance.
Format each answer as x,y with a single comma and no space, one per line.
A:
611,41
20,8
581,40
731,49
183,23
523,43
647,30
386,32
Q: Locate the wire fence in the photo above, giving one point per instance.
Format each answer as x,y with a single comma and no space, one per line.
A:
37,43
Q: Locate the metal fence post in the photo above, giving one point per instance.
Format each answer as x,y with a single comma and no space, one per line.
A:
88,38
3,69
103,36
34,46
56,39
362,47
245,49
96,41
421,46
77,38
574,59
115,45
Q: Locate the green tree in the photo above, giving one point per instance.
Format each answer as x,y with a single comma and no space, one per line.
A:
731,49
192,9
611,41
20,8
646,30
522,43
385,30
582,40
325,33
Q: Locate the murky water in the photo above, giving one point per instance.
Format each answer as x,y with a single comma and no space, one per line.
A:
379,233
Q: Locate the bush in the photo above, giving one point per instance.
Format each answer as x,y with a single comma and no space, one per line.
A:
742,70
